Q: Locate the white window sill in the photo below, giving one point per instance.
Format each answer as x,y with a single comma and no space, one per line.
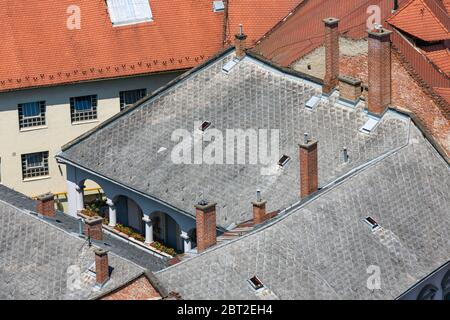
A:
131,23
36,178
84,122
33,128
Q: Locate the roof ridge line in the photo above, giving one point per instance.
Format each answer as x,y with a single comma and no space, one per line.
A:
288,211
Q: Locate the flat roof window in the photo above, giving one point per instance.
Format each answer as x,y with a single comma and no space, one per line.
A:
283,160
256,283
123,12
218,6
372,223
205,125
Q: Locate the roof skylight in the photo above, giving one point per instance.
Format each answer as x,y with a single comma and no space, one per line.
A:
283,160
123,12
256,283
372,223
205,125
218,6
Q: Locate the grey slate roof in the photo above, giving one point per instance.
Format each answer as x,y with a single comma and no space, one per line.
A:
323,249
71,225
251,96
37,260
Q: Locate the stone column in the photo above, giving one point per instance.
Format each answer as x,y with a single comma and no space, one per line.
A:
186,241
148,229
112,213
80,197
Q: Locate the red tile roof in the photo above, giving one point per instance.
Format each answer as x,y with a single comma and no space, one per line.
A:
257,18
424,19
38,49
444,93
303,31
446,4
440,56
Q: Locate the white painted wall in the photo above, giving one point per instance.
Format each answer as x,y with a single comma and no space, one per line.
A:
59,130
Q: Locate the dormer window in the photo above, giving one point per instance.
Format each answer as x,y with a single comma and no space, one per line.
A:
123,12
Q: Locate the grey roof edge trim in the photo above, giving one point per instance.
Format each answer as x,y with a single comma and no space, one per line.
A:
421,281
426,133
288,211
59,157
155,93
285,70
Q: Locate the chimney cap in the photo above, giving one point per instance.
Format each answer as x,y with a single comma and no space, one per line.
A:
379,33
205,206
241,35
350,80
309,144
100,252
46,196
331,21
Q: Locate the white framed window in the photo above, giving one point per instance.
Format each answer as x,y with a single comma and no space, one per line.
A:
35,165
122,12
31,114
83,108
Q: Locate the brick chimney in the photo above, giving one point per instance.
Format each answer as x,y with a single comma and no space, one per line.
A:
259,209
205,217
93,228
101,266
309,180
46,205
240,43
379,62
349,89
331,55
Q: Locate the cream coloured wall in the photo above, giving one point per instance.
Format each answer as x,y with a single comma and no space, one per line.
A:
59,129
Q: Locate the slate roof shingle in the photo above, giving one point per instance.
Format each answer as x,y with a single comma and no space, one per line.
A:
323,250
251,96
40,262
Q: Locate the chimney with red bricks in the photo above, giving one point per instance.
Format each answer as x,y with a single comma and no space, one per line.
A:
205,216
309,178
379,63
46,205
331,55
101,267
93,228
349,89
240,43
259,209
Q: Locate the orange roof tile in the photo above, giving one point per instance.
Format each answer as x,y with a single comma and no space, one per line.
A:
424,19
42,51
444,93
257,18
38,48
439,56
303,31
446,4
